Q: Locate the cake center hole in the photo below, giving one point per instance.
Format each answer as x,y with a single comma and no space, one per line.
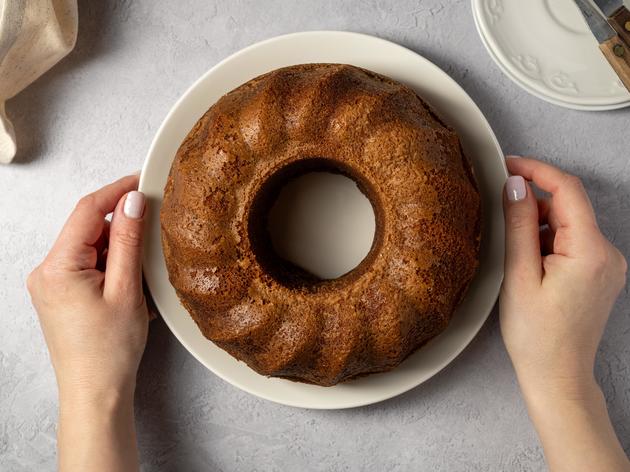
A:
322,223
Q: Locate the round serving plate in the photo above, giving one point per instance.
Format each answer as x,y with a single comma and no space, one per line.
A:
456,108
546,48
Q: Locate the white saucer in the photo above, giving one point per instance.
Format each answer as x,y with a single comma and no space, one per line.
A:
546,47
457,109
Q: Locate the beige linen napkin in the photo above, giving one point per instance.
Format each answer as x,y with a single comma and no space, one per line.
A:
34,36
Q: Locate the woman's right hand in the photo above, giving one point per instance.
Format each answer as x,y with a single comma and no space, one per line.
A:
562,277
556,298
560,282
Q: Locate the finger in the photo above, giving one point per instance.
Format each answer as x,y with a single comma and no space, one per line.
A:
547,237
123,276
74,248
523,263
547,215
570,203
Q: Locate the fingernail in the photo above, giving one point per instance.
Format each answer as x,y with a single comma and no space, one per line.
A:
515,188
134,205
512,156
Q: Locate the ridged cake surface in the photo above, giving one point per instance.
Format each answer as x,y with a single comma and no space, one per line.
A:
274,316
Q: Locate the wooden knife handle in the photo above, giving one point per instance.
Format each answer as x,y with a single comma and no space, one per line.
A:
620,21
618,54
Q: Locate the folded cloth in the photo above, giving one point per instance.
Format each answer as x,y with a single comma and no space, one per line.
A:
34,36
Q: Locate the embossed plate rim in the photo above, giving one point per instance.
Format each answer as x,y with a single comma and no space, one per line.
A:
548,95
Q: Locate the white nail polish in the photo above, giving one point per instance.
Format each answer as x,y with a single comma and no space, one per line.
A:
134,205
515,188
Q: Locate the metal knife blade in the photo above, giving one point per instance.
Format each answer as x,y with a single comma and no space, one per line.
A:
608,7
596,22
618,17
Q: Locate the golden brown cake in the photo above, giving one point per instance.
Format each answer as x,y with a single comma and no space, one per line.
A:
279,319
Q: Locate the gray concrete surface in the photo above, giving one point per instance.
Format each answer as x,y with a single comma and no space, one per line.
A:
92,118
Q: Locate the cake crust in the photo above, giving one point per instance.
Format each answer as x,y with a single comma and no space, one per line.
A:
274,316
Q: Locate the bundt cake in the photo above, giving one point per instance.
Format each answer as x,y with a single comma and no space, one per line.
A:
278,318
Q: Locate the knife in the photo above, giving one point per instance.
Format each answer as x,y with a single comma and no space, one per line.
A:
618,17
614,49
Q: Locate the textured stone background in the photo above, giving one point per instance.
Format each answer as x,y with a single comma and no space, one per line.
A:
92,118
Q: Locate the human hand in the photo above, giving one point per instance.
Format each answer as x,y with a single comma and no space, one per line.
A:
88,295
561,279
560,282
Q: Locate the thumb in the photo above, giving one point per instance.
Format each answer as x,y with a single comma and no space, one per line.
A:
123,274
523,261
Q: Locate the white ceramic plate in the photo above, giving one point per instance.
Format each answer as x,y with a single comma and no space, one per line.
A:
545,47
457,109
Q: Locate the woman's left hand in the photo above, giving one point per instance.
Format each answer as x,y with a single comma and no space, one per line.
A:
88,294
